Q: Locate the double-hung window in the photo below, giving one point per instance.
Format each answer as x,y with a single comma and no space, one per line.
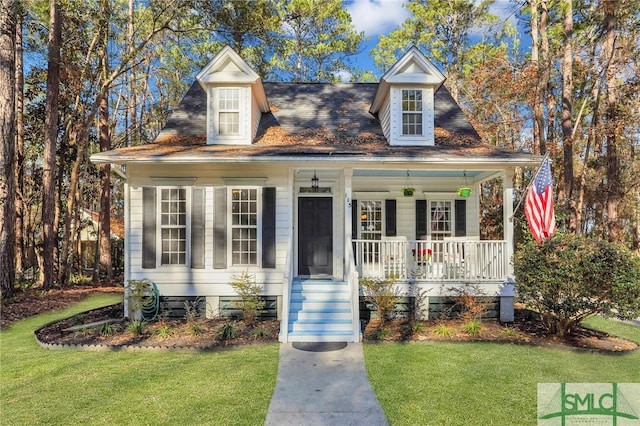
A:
411,112
371,220
229,111
440,214
371,227
244,226
173,226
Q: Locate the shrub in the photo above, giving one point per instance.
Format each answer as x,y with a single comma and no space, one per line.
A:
249,292
383,333
164,331
136,327
569,277
227,331
108,329
260,333
191,314
443,330
472,327
381,293
195,329
471,301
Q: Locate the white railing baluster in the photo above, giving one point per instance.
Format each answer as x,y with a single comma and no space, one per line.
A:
432,260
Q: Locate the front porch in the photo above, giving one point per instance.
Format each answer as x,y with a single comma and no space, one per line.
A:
452,260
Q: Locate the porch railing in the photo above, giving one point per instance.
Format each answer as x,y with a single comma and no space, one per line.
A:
456,259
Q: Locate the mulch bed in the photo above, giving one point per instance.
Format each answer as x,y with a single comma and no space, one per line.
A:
527,329
82,329
35,301
105,327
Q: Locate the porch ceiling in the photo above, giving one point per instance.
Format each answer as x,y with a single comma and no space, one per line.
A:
471,174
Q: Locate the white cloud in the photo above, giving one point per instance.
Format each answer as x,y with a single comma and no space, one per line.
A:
376,17
505,10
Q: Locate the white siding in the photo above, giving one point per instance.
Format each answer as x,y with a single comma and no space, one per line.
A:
247,117
369,188
256,115
385,118
182,280
396,137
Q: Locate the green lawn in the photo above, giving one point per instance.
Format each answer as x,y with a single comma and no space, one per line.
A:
39,386
485,383
417,384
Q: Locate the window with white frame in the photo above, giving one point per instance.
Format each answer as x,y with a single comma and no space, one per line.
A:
229,111
411,112
244,226
441,220
371,220
173,226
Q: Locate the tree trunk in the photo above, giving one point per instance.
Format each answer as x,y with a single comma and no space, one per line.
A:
132,129
51,136
545,84
7,153
538,107
67,237
104,234
612,127
19,166
567,122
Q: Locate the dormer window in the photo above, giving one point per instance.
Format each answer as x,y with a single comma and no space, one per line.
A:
229,111
235,99
404,100
412,112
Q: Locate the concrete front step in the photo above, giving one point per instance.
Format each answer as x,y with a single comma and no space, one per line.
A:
319,311
321,337
319,314
318,305
320,325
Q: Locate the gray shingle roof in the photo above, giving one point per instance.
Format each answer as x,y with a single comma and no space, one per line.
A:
315,120
340,109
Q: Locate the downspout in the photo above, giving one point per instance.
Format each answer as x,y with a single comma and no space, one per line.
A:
127,239
283,336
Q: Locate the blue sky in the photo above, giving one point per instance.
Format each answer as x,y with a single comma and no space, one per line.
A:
380,17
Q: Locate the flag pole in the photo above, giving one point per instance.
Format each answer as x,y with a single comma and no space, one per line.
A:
524,193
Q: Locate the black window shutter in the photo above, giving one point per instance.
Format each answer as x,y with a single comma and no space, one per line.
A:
268,227
354,219
220,228
148,228
461,218
390,218
421,219
197,228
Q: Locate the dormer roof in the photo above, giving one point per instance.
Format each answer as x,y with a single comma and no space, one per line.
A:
413,68
227,67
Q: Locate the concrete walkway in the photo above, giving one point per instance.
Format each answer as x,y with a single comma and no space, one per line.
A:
317,386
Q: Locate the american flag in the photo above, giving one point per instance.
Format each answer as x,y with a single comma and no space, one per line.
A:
538,207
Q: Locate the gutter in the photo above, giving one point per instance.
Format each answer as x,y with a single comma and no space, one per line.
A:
531,160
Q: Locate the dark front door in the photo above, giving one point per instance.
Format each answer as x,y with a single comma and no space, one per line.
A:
315,236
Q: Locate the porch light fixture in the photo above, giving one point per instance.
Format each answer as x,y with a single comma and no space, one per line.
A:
314,182
465,190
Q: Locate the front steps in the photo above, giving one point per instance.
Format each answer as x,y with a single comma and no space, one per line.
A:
319,311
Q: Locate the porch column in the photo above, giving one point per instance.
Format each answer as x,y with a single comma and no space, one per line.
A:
348,191
507,183
507,292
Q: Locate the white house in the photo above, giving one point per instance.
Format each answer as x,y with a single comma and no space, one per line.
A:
301,185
